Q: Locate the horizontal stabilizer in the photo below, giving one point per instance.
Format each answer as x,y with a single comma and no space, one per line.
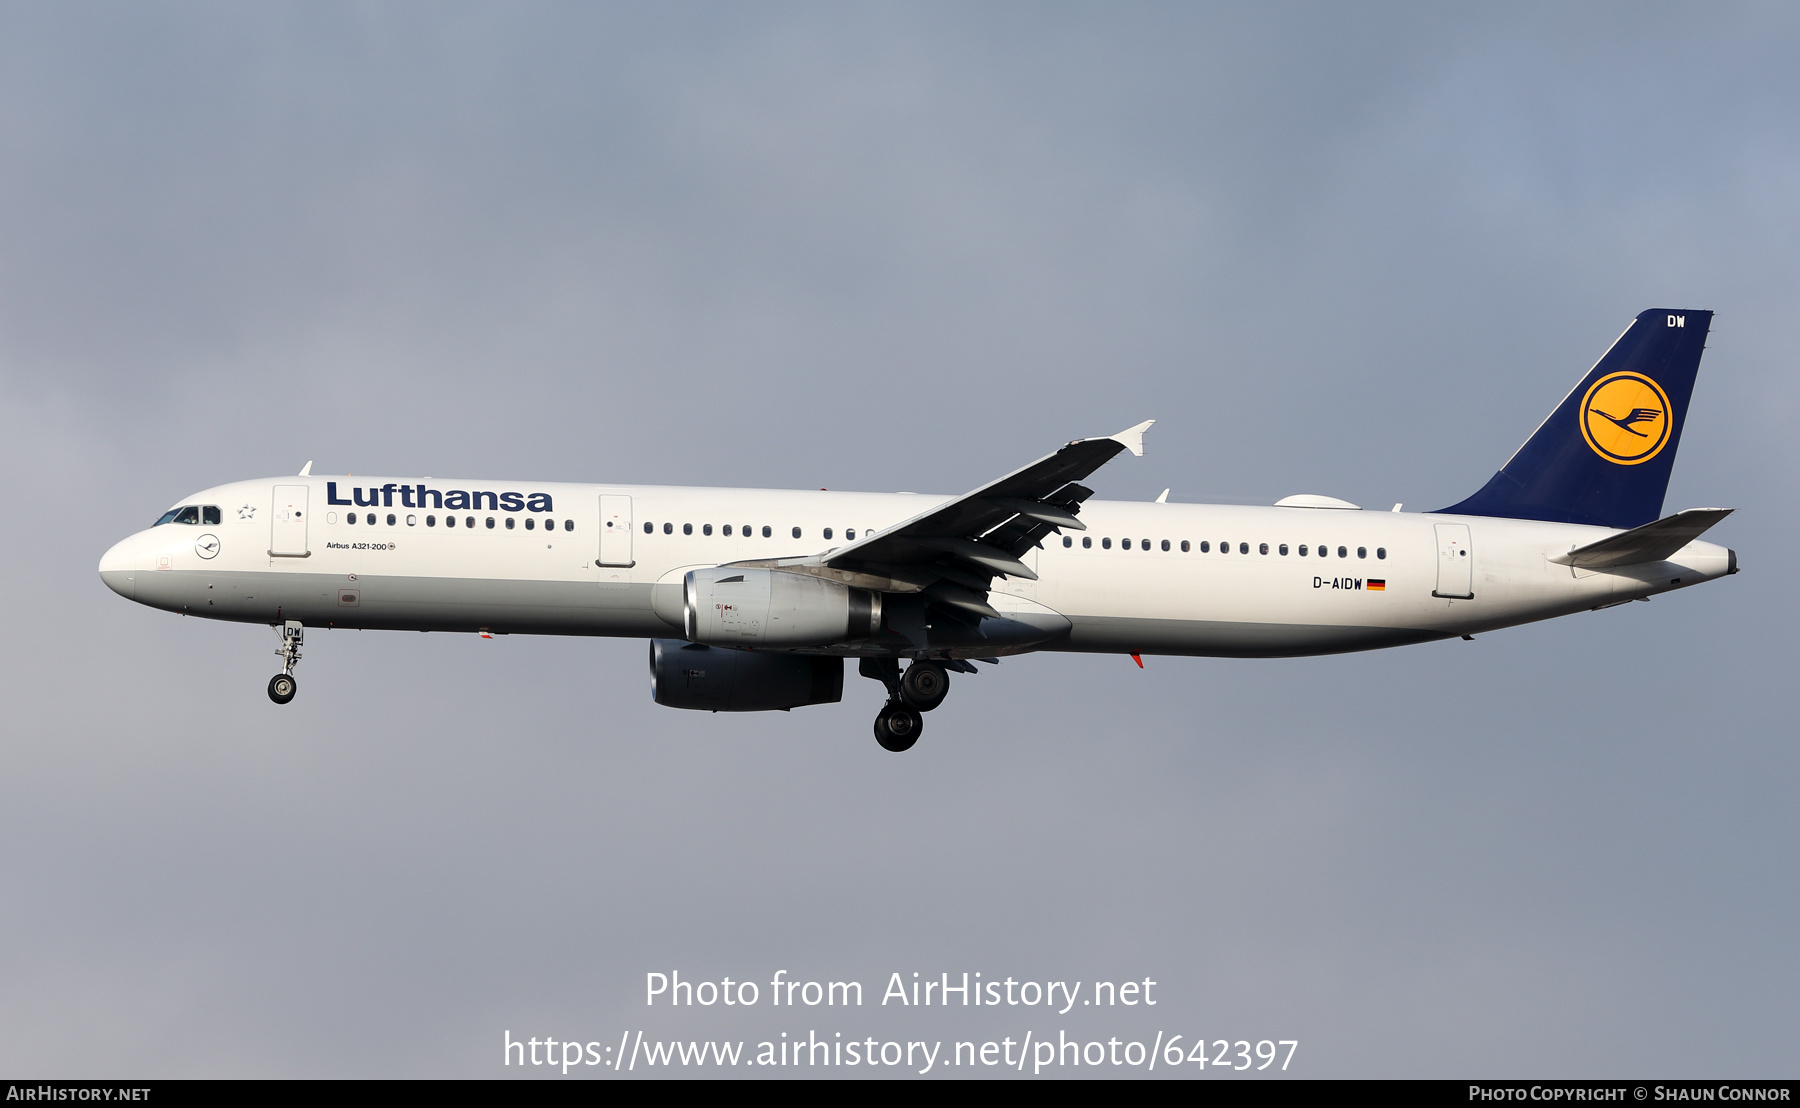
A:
1650,543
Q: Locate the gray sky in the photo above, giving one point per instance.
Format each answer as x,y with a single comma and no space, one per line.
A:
1353,250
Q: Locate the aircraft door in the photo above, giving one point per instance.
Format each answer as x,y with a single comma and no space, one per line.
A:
1456,565
615,531
287,522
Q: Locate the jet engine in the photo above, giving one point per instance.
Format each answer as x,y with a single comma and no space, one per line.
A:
763,607
716,679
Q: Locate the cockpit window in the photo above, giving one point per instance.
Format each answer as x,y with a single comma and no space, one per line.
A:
191,513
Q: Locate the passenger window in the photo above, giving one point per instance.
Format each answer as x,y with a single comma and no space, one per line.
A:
209,515
431,521
668,528
1165,544
189,514
449,521
349,517
1303,550
391,520
568,525
1381,552
412,521
1067,542
530,524
1205,547
1324,551
1184,546
1283,549
1087,543
1106,544
1362,552
1342,553
767,531
827,534
1124,544
509,523
850,533
1145,545
490,523
687,528
796,532
1263,548
1243,548
649,528
726,530
1224,548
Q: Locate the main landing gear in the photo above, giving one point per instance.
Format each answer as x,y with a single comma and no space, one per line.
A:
897,727
919,689
282,686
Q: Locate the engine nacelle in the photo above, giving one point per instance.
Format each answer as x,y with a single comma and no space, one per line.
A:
766,607
716,679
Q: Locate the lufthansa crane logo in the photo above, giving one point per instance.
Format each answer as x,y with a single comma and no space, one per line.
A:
1625,418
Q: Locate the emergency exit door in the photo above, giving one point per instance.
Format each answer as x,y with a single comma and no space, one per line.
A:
615,531
1456,565
287,523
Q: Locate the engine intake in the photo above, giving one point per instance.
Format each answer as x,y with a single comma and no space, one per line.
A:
765,607
715,679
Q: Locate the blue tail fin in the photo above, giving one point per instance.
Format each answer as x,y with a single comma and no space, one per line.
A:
1604,455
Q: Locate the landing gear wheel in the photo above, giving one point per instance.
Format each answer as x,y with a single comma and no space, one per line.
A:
924,685
898,727
282,688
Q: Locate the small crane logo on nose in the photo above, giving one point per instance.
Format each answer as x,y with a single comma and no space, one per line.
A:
207,546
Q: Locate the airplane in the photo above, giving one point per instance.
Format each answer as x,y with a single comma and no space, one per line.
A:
754,599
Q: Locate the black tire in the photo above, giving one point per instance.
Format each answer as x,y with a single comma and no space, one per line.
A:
924,685
897,727
282,688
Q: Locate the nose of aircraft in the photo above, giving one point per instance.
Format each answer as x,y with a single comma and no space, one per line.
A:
119,567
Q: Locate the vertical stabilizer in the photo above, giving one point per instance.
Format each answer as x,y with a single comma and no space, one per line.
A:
1605,454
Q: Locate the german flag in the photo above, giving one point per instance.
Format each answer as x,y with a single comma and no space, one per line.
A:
1377,584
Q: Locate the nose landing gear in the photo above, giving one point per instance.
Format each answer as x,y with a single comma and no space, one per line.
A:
282,686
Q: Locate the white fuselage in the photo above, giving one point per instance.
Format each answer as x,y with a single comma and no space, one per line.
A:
280,551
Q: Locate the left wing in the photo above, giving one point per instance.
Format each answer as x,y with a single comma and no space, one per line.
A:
953,552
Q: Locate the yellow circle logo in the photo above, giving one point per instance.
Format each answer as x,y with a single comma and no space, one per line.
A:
1625,418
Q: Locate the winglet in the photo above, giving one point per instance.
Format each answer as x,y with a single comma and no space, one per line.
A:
306,470
1132,438
1164,498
